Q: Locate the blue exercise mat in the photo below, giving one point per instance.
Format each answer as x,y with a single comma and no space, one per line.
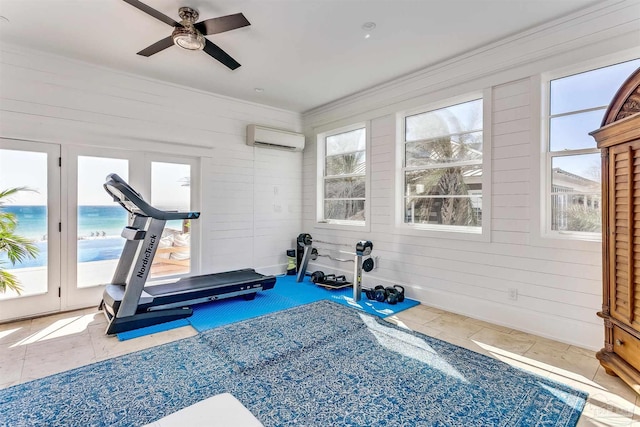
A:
287,293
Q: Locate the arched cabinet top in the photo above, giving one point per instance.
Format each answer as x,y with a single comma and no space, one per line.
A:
626,101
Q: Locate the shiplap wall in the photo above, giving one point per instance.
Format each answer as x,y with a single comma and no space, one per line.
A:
251,197
558,281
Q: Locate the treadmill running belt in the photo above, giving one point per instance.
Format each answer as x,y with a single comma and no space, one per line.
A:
228,278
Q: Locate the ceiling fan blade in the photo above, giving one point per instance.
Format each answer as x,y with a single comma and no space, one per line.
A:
149,10
222,24
220,55
157,47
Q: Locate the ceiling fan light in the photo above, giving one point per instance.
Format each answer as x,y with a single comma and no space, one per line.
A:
186,39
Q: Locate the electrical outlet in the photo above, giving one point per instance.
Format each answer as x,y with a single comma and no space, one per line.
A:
512,294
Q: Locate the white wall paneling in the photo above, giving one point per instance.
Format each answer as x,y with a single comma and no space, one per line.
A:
251,197
558,285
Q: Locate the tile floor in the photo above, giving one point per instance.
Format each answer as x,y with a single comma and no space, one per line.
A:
35,348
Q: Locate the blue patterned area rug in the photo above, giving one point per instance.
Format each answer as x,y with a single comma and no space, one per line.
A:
320,364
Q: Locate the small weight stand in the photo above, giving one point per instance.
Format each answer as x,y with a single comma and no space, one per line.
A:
363,248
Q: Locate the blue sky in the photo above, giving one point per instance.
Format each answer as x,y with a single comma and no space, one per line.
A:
28,169
24,169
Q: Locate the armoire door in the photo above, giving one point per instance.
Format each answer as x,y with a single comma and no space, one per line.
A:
624,226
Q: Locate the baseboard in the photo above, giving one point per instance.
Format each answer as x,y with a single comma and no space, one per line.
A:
272,270
569,331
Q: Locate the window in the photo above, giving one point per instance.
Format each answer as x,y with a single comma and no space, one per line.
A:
442,169
99,220
577,104
344,177
171,191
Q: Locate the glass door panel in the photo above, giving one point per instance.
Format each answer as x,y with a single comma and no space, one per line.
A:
25,214
171,190
29,219
99,221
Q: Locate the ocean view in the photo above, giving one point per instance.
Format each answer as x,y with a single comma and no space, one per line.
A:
99,229
93,221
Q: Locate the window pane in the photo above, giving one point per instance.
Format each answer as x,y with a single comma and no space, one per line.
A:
460,211
455,148
576,174
344,188
575,193
345,154
590,89
100,221
445,121
343,164
346,142
171,186
576,212
572,132
351,210
171,190
28,212
452,181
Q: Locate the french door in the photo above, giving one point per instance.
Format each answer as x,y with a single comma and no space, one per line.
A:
32,213
76,225
94,222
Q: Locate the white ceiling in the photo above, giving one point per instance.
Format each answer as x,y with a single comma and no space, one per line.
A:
303,53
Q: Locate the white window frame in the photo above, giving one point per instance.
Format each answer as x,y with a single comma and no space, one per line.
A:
481,233
542,85
195,229
321,221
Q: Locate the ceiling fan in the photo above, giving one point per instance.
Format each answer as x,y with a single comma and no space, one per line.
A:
189,34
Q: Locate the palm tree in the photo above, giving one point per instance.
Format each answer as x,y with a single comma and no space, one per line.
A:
16,247
445,181
345,187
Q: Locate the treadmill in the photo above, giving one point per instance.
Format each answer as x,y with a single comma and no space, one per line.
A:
128,304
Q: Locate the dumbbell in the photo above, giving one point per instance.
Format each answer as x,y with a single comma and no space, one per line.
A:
391,295
395,294
378,293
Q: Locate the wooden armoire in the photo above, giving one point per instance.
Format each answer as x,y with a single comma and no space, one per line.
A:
619,141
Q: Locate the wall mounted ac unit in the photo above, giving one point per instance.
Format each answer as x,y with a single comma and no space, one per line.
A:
261,136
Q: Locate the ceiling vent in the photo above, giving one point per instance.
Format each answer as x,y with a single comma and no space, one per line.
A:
261,136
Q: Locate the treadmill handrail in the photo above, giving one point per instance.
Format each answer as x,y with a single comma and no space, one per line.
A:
133,202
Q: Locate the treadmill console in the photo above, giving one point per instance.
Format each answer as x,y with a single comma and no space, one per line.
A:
133,202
